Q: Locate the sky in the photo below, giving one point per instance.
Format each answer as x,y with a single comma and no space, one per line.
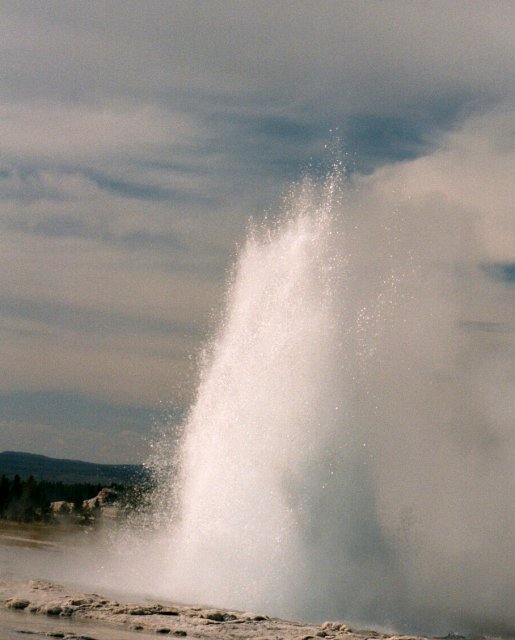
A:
138,139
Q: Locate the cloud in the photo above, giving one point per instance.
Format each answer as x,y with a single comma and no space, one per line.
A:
55,131
44,421
319,63
469,173
110,446
365,368
62,410
137,142
115,304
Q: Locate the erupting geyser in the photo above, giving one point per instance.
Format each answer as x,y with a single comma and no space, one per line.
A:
339,461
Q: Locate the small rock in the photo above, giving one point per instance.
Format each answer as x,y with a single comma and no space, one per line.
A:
137,611
17,603
180,633
217,616
163,630
248,616
42,584
53,611
335,626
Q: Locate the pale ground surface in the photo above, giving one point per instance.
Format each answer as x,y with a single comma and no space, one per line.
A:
35,604
66,614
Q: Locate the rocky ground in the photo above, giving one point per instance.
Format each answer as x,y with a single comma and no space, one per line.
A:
57,603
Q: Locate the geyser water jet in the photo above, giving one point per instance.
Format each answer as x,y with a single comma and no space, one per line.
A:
337,462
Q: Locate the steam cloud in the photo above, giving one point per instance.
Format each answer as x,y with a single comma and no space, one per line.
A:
349,452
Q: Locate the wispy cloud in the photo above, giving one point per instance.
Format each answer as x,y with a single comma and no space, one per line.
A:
136,142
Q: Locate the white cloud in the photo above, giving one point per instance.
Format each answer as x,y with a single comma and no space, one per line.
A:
135,142
467,178
333,56
149,310
75,133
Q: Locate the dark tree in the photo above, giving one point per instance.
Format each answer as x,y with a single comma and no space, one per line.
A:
5,486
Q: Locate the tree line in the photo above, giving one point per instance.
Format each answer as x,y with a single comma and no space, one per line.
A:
29,500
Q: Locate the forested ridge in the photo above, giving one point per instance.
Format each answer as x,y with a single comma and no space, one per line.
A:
67,471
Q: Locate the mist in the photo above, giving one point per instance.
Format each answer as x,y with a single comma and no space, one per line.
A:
348,455
349,452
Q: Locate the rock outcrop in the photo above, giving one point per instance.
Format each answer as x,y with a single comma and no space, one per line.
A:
104,504
62,508
51,600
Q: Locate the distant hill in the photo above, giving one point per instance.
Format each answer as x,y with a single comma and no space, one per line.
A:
67,471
